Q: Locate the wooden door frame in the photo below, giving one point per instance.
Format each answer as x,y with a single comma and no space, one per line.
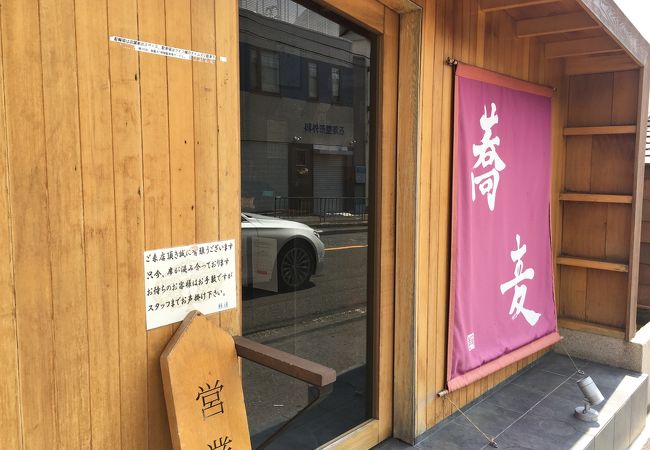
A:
398,24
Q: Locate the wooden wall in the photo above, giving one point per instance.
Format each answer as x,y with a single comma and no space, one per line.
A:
458,29
596,228
104,153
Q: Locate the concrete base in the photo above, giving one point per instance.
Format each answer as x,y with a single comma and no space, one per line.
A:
631,355
534,410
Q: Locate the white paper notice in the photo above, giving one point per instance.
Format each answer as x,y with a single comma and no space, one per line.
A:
195,277
264,255
165,50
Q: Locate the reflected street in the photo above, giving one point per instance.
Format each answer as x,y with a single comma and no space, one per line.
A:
324,322
340,287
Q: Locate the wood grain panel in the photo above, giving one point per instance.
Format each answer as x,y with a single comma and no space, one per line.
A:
612,164
625,101
129,221
578,164
637,204
157,202
423,253
64,198
371,11
434,19
584,230
95,125
443,408
205,132
577,47
405,410
617,246
609,129
29,222
181,122
227,67
586,109
384,225
606,298
573,292
12,434
599,64
560,23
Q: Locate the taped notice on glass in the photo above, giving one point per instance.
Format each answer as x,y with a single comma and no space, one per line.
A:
165,50
195,277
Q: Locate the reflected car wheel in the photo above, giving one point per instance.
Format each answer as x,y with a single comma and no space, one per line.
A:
295,265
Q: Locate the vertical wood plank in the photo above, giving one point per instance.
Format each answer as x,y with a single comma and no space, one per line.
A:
384,226
424,215
229,176
637,203
63,159
129,218
95,127
205,131
444,232
612,164
405,408
10,415
584,229
578,164
434,345
585,108
181,122
626,97
606,298
424,272
617,241
29,221
573,292
157,192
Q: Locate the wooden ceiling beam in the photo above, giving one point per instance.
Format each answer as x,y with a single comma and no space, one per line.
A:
619,27
500,5
580,47
561,23
599,64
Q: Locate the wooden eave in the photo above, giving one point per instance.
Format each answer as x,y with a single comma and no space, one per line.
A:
619,28
590,35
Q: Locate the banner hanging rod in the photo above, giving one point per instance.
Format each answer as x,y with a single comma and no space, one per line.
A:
451,61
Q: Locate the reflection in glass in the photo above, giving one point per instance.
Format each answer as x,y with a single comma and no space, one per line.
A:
304,158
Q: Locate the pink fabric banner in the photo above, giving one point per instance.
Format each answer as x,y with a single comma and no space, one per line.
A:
502,305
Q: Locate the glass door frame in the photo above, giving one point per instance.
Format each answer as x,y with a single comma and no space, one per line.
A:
398,25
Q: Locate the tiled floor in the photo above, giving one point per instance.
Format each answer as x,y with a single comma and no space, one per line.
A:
534,410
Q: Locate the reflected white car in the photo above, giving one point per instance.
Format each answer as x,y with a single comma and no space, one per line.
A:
300,252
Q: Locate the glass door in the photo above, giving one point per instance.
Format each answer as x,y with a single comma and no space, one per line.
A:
310,168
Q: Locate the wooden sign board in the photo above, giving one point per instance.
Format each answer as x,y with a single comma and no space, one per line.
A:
203,391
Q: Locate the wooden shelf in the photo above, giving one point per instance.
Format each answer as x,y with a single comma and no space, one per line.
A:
587,131
591,263
595,198
589,327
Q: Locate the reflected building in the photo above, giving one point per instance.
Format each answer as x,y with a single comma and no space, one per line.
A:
304,112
